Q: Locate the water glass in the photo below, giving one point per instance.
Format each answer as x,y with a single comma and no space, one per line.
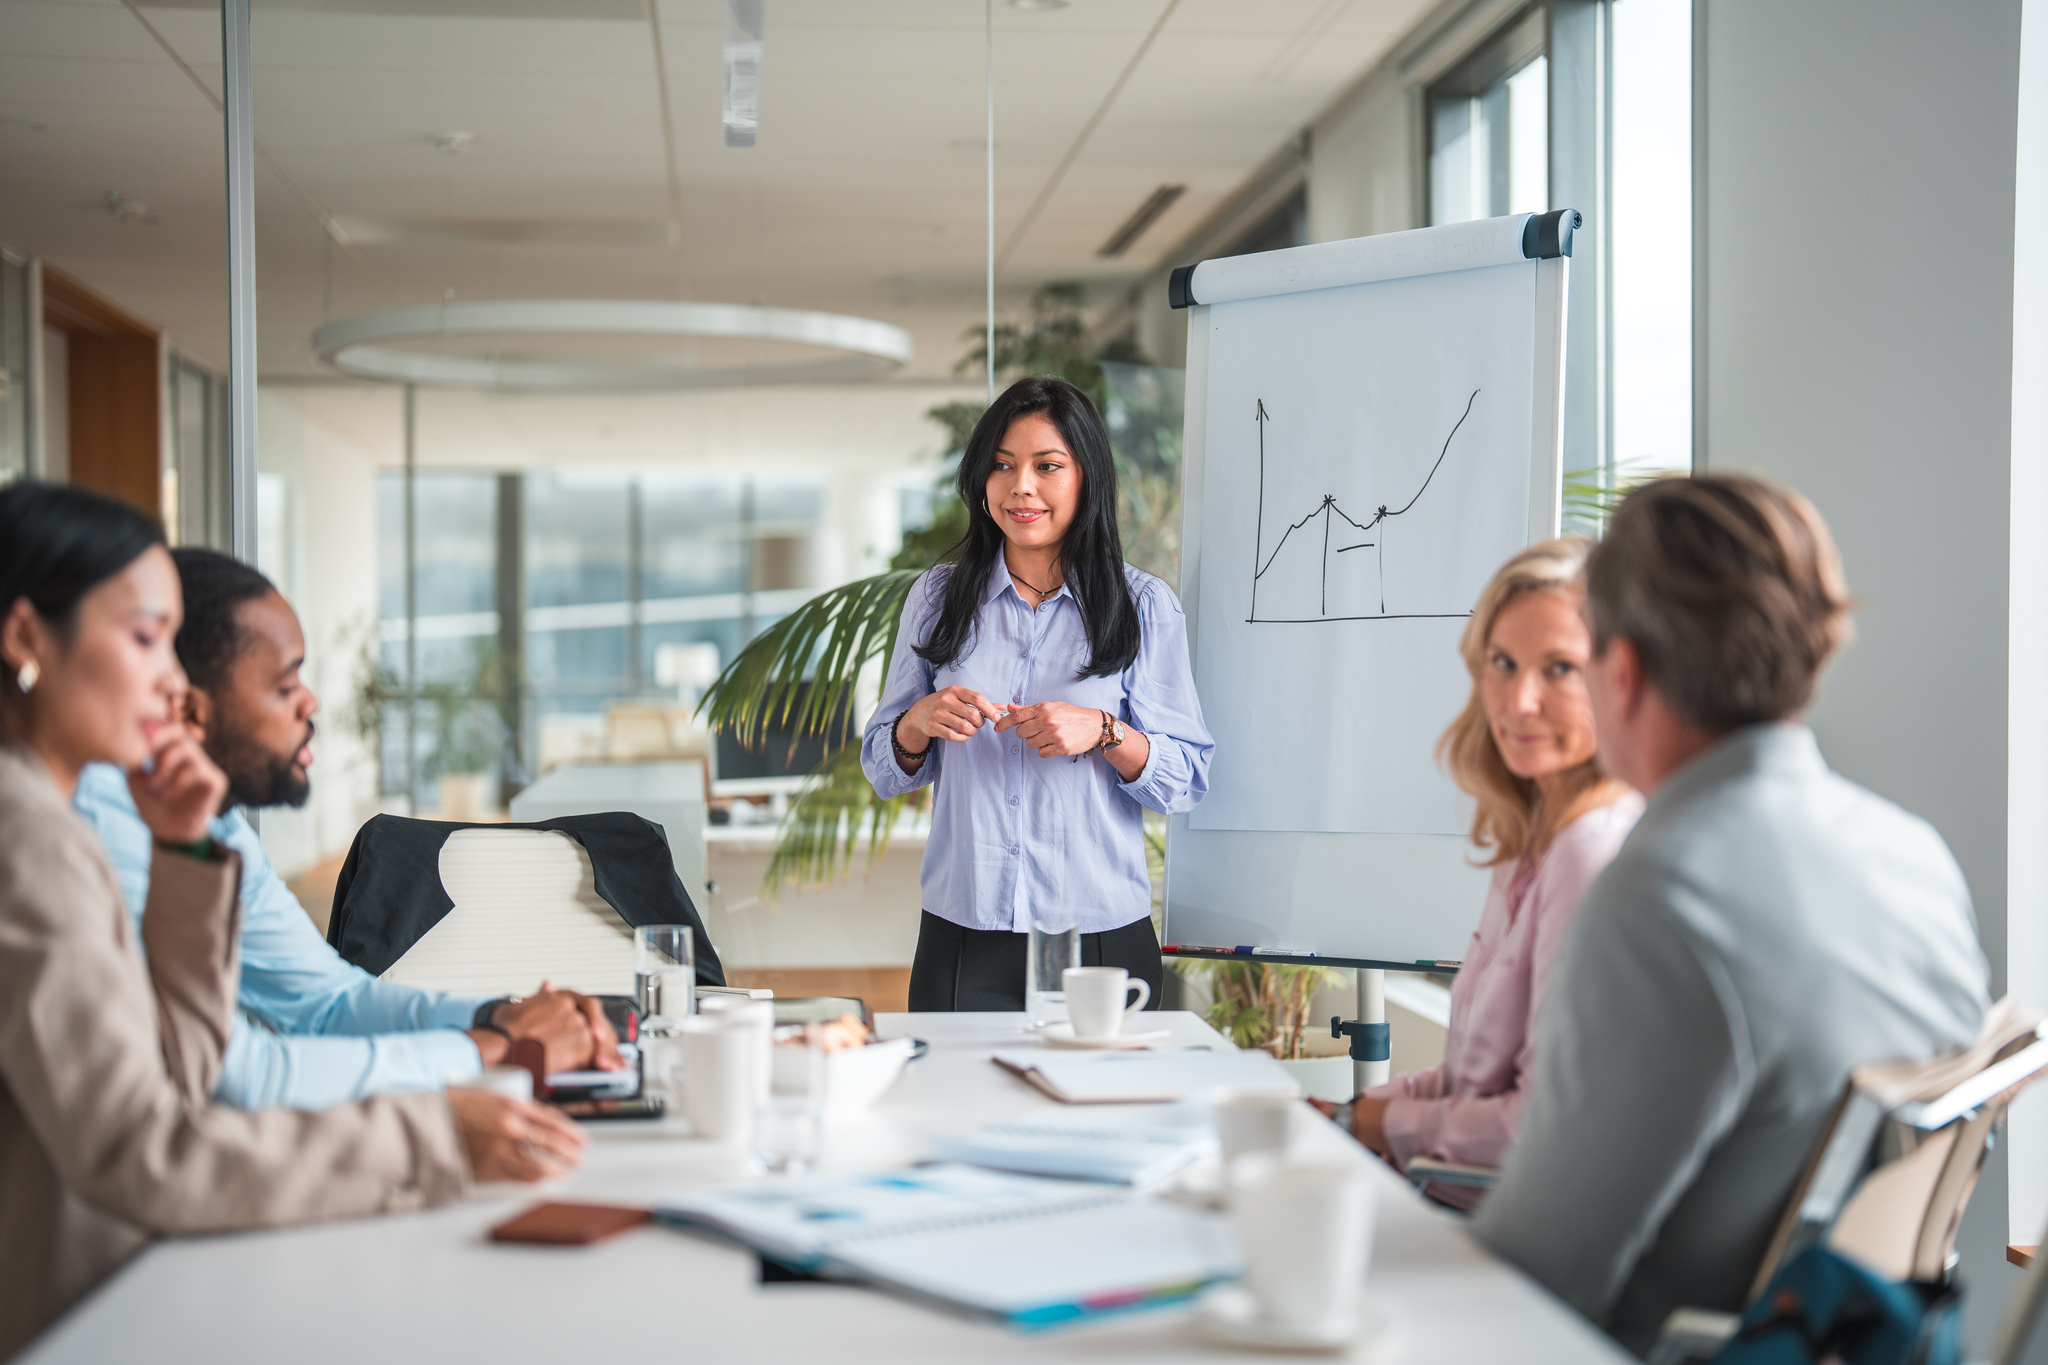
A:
788,1125
664,974
1051,951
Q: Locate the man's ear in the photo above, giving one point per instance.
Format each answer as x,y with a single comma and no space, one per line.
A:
198,713
1625,667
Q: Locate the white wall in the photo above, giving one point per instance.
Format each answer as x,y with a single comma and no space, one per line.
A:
1858,313
1363,174
2026,934
328,461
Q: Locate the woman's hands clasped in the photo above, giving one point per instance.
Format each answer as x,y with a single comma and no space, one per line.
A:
953,713
1054,729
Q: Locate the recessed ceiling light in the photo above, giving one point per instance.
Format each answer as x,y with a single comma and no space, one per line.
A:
454,143
1038,4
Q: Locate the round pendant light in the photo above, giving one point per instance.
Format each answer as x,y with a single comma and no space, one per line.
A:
610,344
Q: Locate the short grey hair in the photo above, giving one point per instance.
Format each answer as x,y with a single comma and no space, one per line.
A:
1731,591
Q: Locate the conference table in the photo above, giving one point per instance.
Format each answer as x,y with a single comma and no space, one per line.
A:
429,1286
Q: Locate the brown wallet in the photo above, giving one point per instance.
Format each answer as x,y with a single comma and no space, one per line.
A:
568,1225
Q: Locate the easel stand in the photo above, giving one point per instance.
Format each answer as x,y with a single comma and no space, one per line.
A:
1371,1040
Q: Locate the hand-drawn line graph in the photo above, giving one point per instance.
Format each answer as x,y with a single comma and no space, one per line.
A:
1330,512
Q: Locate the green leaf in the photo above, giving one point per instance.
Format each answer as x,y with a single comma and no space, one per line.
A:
837,804
824,643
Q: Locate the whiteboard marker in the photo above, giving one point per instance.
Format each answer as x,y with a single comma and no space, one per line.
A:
1279,952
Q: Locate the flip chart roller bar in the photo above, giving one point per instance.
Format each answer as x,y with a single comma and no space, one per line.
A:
1362,260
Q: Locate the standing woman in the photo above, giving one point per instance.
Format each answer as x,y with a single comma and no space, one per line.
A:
1044,685
1548,819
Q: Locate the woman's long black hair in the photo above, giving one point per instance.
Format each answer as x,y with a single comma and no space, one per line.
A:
58,543
1092,555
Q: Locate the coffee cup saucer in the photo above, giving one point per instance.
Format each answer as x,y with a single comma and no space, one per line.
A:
1232,1315
1062,1035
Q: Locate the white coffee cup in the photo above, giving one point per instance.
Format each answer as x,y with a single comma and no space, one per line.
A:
1255,1121
757,1018
723,1076
1095,999
1306,1228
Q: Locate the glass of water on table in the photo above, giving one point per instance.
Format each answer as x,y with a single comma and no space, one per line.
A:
664,974
1052,947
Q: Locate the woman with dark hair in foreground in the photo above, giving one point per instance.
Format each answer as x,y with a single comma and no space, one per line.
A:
107,1134
1045,686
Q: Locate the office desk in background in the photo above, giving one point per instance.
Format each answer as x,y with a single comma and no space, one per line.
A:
428,1287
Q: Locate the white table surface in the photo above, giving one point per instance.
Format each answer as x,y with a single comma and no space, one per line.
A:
429,1287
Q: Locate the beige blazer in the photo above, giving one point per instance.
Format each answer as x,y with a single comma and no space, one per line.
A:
107,1132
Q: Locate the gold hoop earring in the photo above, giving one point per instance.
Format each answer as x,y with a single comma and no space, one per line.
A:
28,675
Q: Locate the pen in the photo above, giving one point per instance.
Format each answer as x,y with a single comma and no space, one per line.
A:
1192,948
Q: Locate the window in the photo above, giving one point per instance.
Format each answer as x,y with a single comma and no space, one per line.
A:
633,587
1651,197
1489,129
1587,104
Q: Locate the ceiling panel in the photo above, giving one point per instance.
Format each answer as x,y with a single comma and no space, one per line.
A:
864,194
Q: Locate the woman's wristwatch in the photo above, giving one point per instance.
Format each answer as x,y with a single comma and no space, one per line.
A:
1112,735
896,743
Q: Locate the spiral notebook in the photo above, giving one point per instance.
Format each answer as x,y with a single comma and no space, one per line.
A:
1030,1251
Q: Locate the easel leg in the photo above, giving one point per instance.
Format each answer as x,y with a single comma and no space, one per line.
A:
1372,1009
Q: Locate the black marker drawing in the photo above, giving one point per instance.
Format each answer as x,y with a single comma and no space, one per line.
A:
1330,512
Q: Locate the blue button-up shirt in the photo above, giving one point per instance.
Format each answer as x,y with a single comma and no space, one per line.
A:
1016,837
313,1030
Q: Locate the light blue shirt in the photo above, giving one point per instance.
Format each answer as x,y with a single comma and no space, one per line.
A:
313,1031
1015,836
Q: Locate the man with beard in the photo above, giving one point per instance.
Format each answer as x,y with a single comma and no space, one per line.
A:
313,1031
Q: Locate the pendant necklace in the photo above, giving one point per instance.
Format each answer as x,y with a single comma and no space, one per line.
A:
1043,593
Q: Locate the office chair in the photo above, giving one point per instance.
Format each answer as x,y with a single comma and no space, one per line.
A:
494,909
1889,1179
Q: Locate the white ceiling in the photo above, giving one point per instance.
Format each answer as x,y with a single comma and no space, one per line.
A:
592,175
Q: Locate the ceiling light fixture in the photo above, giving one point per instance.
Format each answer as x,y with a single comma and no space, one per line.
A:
533,344
1148,213
1038,4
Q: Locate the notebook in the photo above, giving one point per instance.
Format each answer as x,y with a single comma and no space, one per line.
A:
1116,1150
1144,1077
1030,1251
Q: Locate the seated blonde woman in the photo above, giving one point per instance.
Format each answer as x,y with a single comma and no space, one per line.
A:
1548,821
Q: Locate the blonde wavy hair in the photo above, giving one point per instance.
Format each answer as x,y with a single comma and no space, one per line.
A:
1512,820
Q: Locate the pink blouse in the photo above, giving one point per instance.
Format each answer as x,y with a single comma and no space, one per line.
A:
1466,1109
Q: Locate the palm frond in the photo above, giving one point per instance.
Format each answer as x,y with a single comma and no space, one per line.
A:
1592,494
828,817
807,665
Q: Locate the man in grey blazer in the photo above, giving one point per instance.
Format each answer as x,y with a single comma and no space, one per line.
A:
1768,926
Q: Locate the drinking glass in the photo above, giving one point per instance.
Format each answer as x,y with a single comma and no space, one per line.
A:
664,974
789,1122
1051,950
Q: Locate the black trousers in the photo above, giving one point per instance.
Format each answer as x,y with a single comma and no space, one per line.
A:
983,969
